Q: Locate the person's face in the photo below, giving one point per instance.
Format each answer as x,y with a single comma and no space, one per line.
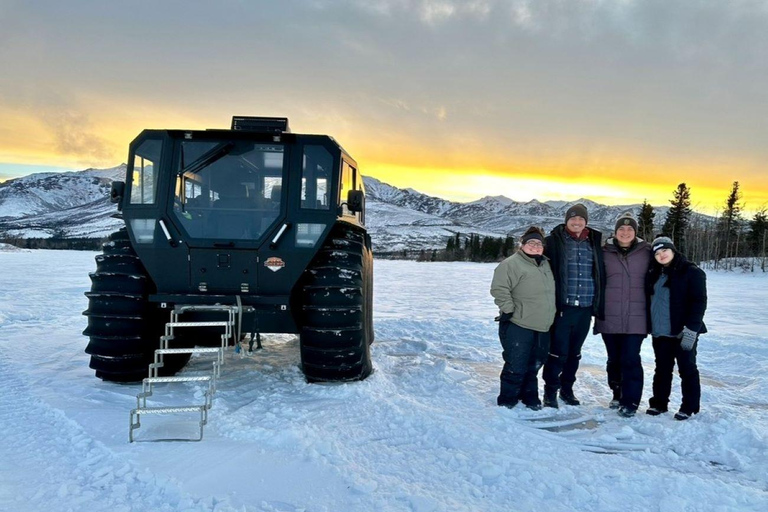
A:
576,225
533,247
664,256
625,235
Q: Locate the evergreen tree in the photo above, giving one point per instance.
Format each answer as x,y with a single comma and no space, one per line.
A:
509,246
679,217
758,228
729,225
645,222
451,245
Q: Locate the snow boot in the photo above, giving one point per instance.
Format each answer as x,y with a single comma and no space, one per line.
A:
616,400
507,404
682,415
626,412
550,399
655,411
568,398
534,407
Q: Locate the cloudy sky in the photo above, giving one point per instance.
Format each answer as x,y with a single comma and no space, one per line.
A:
616,100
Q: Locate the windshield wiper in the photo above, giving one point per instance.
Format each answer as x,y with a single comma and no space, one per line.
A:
208,158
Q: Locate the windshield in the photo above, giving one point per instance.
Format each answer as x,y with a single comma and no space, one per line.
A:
229,190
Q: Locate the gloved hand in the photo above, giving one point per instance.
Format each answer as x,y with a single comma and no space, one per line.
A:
687,338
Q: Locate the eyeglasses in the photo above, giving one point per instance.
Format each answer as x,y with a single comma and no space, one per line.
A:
534,243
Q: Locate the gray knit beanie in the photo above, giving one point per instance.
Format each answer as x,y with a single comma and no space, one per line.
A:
626,219
662,242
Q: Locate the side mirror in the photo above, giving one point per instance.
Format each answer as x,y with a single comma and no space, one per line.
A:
355,200
116,194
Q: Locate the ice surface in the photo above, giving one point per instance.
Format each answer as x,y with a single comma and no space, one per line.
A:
421,434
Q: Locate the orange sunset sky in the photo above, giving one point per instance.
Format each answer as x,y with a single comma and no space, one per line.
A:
617,101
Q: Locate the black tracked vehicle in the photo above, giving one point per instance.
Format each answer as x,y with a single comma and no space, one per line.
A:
254,216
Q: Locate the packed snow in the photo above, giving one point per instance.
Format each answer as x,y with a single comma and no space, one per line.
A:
421,434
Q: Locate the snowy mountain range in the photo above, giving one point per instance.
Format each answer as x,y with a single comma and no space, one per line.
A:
76,204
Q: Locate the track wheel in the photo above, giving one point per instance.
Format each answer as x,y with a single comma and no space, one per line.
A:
124,329
337,293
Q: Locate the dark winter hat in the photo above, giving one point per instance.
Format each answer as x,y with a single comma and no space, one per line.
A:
533,233
626,219
577,210
662,242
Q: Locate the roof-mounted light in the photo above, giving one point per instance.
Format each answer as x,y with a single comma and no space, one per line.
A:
273,125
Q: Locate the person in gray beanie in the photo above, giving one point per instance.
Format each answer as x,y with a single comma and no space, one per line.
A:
577,264
677,290
625,324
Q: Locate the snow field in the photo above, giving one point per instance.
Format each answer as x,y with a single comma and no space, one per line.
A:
421,434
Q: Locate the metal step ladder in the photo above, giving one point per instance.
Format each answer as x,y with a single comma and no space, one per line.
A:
230,326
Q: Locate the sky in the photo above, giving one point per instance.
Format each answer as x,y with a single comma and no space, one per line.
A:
617,101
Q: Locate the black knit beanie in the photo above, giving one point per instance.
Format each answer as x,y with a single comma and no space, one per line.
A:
532,233
577,210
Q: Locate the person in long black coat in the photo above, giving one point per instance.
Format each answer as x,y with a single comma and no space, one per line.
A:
677,290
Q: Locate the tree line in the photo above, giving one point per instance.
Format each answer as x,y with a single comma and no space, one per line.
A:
726,241
75,244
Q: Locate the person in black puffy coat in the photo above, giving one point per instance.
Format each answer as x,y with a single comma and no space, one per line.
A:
677,291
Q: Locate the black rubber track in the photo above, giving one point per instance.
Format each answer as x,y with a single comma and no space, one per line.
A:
124,329
337,322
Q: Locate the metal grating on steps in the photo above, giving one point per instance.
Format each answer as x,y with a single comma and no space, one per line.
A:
233,314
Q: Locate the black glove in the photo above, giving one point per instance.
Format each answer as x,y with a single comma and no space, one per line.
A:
688,339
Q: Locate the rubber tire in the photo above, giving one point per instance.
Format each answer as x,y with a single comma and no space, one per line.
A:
337,299
124,328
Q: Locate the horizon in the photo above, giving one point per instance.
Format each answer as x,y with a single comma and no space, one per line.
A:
617,102
694,207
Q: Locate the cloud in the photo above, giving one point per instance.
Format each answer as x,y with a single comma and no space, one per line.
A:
73,135
500,83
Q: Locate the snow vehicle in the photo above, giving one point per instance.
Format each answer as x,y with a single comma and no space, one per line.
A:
254,217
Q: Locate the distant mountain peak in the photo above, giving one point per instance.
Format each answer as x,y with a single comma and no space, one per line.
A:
77,203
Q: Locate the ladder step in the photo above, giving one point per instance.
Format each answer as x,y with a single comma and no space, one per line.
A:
202,350
199,378
198,324
167,410
183,309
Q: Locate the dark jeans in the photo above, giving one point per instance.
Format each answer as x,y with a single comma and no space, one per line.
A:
624,367
567,337
524,353
667,351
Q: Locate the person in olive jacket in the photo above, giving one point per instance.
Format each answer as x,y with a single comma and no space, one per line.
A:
524,289
577,264
625,324
678,300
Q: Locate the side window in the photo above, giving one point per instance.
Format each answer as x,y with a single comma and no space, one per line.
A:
144,175
348,182
315,177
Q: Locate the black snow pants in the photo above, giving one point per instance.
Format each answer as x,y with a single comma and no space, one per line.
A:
667,351
567,337
524,353
624,367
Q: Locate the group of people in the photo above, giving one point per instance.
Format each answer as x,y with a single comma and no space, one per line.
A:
551,288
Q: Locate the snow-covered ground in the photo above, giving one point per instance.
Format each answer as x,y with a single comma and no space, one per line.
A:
421,434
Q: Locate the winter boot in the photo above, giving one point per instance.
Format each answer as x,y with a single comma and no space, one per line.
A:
615,401
534,407
655,411
550,399
626,412
682,415
567,397
509,404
